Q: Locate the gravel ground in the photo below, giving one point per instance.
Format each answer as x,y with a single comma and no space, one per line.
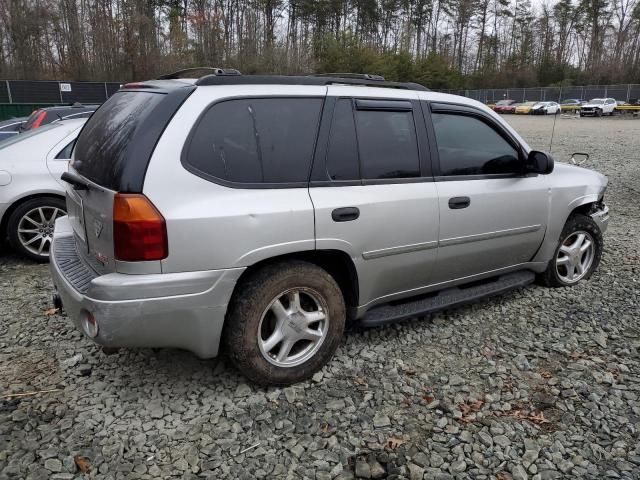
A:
538,384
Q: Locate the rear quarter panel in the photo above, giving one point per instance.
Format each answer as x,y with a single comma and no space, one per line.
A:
211,226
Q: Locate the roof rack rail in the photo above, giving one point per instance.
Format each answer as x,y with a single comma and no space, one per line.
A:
355,76
211,70
302,80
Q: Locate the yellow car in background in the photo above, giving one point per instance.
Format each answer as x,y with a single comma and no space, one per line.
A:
525,108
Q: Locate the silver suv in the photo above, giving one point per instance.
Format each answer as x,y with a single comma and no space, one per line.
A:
263,213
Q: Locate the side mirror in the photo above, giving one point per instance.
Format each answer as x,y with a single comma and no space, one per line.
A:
578,158
539,162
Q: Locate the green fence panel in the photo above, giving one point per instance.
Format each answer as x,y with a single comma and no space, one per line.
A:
11,110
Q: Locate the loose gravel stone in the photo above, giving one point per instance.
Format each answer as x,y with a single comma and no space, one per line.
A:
535,384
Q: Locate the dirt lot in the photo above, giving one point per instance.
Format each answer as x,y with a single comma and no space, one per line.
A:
538,384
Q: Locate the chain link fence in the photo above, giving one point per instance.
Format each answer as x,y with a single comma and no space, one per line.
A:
50,92
625,93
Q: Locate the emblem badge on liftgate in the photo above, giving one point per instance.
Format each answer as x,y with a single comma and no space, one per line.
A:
97,225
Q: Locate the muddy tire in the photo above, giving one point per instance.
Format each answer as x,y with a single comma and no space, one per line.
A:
284,323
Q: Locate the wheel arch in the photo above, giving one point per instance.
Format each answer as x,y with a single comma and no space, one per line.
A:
17,202
335,262
584,205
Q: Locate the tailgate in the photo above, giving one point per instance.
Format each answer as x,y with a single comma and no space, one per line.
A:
91,216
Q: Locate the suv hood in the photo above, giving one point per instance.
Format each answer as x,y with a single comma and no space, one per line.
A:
568,175
591,105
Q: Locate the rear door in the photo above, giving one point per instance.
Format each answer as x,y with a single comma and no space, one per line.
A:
373,194
109,156
491,215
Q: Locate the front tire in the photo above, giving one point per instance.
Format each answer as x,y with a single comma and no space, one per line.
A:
30,226
577,255
284,323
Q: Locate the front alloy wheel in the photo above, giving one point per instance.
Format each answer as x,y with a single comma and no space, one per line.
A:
577,255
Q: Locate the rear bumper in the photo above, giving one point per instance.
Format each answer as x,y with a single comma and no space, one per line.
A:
179,310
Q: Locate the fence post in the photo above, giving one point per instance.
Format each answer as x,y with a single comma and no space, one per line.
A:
106,92
60,92
628,92
9,91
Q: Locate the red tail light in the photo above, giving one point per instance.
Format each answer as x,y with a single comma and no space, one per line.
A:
139,231
36,123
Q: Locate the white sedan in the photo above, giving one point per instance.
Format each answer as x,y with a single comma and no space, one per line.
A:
545,108
31,192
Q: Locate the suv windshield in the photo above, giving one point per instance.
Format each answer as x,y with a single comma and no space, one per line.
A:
596,101
100,152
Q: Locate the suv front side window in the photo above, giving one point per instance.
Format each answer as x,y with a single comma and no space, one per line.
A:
468,146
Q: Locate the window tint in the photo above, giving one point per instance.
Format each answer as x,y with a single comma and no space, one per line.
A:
342,154
100,152
387,144
258,140
65,153
468,146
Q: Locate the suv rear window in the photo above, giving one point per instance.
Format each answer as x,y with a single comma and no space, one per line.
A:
255,141
100,151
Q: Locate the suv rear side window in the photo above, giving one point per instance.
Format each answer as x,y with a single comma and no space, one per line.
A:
256,140
99,153
468,146
387,144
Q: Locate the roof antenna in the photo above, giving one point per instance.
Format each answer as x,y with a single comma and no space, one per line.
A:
555,117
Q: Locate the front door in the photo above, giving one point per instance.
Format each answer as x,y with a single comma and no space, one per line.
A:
492,216
373,197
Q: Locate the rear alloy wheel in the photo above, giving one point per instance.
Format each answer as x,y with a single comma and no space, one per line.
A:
31,225
577,254
284,323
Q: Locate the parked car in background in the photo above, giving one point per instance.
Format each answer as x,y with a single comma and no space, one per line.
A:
598,107
246,211
31,192
571,102
545,108
620,103
45,116
504,106
11,127
524,108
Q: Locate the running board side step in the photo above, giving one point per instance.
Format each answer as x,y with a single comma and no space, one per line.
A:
445,299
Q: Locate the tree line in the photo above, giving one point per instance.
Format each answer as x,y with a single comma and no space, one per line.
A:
440,43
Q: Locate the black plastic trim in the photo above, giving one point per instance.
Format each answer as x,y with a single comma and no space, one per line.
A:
146,137
302,80
385,105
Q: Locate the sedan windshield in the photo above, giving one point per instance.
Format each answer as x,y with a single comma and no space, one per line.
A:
23,136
